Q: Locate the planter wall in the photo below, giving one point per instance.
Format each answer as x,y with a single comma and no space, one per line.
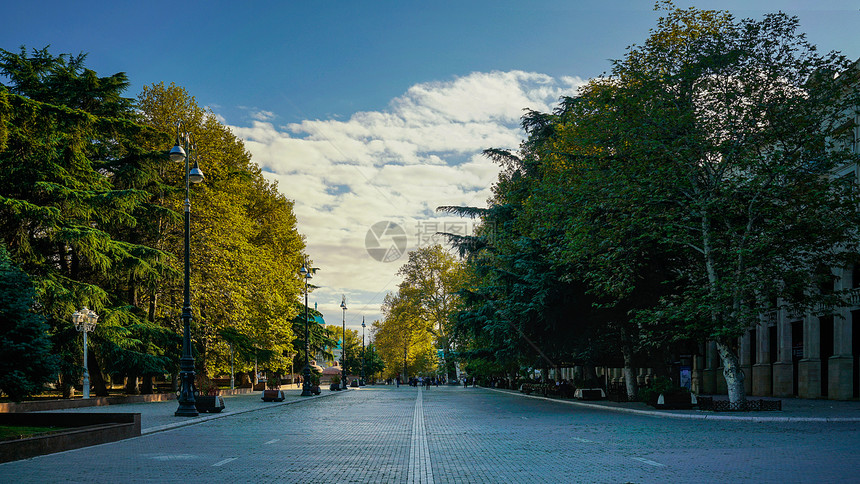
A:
209,403
88,429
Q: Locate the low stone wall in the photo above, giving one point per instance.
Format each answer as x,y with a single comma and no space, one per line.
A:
87,429
42,405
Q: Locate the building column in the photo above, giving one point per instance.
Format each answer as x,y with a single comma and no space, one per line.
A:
762,373
809,369
840,375
783,371
744,343
697,374
709,374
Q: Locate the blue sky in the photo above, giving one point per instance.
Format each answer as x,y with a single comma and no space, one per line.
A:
369,111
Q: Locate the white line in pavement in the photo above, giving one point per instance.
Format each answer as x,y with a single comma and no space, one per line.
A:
649,462
419,454
272,441
221,463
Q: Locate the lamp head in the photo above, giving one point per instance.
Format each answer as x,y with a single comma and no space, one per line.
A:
177,154
195,175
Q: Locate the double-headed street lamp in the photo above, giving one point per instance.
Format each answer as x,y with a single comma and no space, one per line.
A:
306,373
185,144
343,345
85,321
361,378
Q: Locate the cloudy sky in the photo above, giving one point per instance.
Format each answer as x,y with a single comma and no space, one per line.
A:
368,113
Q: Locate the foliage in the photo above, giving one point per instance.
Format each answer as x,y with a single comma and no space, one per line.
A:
246,251
716,140
26,362
90,211
66,213
403,339
661,385
676,198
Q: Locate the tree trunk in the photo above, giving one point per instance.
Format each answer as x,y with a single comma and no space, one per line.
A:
733,374
589,376
66,386
629,370
96,378
146,386
131,384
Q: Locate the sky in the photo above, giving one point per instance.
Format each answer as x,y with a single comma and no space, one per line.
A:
370,114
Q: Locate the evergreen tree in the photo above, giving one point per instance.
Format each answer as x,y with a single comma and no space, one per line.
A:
26,362
67,134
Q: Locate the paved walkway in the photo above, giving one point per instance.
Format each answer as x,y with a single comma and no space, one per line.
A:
158,416
450,435
793,410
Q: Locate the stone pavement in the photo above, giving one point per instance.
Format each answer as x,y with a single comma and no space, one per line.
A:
158,416
455,435
793,410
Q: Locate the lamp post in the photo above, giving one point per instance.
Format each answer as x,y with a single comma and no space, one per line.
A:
185,144
85,321
306,380
343,345
361,379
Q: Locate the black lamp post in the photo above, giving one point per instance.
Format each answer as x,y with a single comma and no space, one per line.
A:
343,345
184,144
361,380
306,373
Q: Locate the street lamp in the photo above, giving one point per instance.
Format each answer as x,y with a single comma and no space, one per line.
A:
85,321
306,381
343,344
361,379
185,144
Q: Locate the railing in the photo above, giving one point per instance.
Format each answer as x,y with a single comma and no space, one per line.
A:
708,403
854,297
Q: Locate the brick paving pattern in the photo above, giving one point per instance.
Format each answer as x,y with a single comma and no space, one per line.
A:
378,435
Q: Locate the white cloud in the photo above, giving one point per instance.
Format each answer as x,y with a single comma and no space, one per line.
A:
398,164
263,115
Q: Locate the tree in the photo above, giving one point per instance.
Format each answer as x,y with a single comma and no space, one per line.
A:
246,247
373,363
403,338
717,139
431,279
67,136
26,362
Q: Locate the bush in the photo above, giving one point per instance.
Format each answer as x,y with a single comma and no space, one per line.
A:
660,385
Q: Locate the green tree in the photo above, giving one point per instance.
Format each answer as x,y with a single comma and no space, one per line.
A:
246,250
68,136
26,362
373,363
403,339
431,279
718,139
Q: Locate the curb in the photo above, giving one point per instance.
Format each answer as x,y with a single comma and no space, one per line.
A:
654,413
196,420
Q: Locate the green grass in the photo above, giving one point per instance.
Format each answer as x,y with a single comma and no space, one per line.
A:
14,432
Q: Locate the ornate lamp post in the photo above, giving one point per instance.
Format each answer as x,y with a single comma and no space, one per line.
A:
306,373
85,321
185,144
361,379
343,345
